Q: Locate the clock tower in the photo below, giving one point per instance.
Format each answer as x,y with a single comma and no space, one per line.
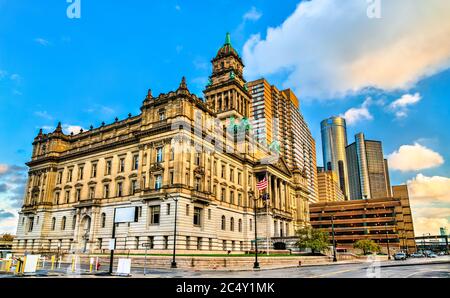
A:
226,93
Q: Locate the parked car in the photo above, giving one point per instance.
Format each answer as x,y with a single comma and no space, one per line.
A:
432,255
418,255
400,256
441,253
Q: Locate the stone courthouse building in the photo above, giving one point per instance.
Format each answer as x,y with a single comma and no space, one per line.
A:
182,150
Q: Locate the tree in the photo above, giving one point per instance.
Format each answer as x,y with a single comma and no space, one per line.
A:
367,246
315,239
7,237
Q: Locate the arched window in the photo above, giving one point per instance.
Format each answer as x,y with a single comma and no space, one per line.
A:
232,224
74,222
63,223
103,220
223,222
53,223
240,225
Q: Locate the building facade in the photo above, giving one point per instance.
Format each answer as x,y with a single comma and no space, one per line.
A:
334,141
329,190
382,220
367,169
278,123
181,150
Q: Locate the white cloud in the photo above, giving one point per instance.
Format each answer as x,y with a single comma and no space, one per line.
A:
413,158
430,203
400,106
355,115
331,48
424,189
67,128
43,114
42,41
252,15
75,129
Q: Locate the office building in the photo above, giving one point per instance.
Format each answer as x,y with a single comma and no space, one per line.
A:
367,169
328,185
334,141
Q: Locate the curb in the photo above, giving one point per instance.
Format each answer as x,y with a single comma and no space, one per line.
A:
415,264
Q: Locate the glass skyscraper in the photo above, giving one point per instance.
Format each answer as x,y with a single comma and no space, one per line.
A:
367,169
334,141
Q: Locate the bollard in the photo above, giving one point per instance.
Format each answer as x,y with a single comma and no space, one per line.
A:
59,265
73,263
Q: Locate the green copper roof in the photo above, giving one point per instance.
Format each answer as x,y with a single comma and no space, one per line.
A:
228,39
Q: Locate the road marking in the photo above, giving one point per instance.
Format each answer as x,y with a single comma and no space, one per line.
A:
333,273
423,271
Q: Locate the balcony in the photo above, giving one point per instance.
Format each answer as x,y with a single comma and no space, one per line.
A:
88,203
277,213
201,196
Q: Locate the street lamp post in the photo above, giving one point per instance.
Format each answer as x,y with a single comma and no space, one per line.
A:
256,264
387,238
174,262
334,242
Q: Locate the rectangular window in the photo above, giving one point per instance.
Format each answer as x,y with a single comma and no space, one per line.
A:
122,165
197,184
106,191
94,170
137,242
108,167
135,162
232,175
158,182
224,244
239,178
171,178
172,153
69,175
188,242
159,154
223,172
154,215
91,192
198,157
80,173
162,115
231,197
210,244
56,198
222,195
239,199
199,243
187,209
67,196
209,213
166,242
133,186
197,216
30,226
59,178
168,208
78,194
119,192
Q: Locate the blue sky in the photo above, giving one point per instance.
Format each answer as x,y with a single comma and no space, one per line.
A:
88,70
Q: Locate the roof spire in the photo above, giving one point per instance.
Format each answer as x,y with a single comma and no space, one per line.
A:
228,39
183,84
58,128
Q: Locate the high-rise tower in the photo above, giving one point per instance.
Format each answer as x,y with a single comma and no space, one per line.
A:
334,141
367,169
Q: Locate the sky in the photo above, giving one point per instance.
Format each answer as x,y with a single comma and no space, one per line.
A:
383,65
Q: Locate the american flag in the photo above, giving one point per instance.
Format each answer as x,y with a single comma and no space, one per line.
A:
262,184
